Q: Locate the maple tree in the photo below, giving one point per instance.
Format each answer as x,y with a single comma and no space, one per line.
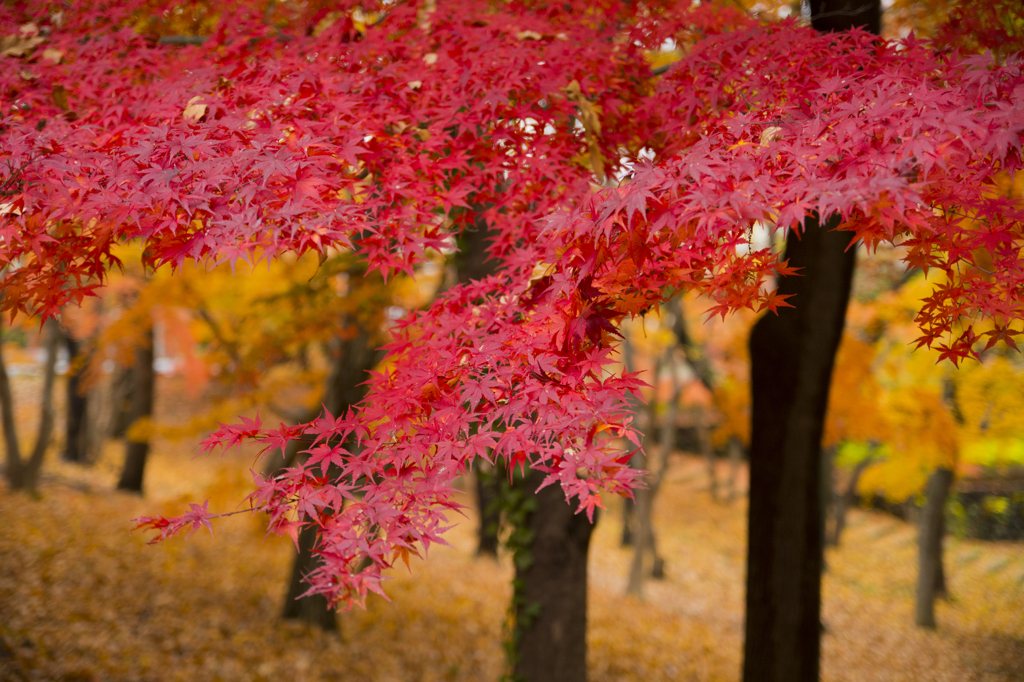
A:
375,127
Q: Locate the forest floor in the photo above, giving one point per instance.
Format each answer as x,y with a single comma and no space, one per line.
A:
82,599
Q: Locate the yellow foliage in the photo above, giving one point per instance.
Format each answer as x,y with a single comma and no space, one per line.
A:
923,437
733,402
662,58
649,335
141,430
990,396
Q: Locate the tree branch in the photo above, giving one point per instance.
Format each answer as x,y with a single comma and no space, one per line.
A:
182,40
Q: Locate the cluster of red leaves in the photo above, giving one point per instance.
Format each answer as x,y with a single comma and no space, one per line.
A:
995,25
260,142
198,516
390,140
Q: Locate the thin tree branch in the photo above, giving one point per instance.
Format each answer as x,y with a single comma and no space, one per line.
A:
182,40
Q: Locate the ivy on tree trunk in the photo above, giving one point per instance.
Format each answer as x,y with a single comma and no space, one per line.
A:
551,590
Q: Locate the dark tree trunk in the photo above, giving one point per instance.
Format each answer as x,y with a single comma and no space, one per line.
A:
30,472
629,507
931,579
120,402
143,384
628,516
487,478
471,263
667,445
313,609
75,437
352,360
792,355
551,614
735,458
551,645
842,15
941,589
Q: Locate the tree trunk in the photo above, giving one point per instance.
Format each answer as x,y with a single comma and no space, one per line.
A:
352,360
97,420
931,579
735,458
313,609
13,449
120,402
792,355
629,519
487,478
842,15
143,384
629,513
471,264
75,437
30,472
845,501
551,609
549,643
667,445
698,361
646,539
25,475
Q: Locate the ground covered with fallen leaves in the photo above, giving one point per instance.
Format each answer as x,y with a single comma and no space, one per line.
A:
82,599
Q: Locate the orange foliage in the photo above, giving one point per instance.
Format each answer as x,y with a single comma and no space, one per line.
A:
854,412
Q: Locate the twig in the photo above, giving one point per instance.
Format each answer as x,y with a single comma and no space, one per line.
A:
182,40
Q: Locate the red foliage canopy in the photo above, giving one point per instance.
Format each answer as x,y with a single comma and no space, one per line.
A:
389,129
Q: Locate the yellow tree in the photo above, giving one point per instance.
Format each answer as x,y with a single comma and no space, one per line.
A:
295,337
938,421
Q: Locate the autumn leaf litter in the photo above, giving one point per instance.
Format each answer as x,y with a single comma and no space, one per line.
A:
81,599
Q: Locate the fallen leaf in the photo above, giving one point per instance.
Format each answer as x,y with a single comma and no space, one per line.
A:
195,110
60,97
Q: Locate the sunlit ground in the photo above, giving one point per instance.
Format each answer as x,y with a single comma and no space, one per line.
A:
82,599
